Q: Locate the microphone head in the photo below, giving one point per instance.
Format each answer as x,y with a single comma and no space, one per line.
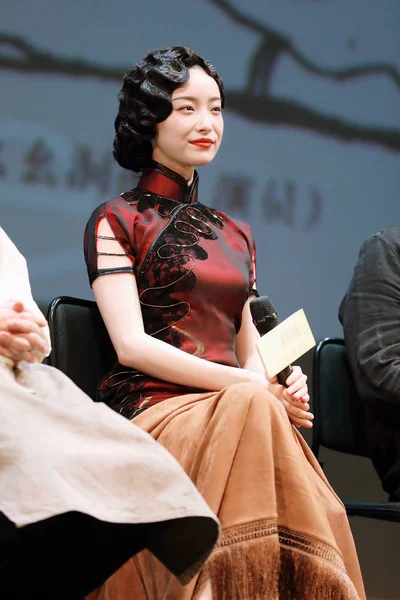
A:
263,314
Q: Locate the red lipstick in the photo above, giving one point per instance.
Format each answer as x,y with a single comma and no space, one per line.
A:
202,142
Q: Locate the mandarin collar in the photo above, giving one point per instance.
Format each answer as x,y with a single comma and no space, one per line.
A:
162,181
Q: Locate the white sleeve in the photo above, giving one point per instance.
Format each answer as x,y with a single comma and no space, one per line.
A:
14,280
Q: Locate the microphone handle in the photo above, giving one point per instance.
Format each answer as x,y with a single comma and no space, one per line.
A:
284,374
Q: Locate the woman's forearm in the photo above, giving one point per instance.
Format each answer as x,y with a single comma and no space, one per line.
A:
118,301
163,361
254,363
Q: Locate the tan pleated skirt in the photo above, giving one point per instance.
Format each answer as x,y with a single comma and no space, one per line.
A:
285,533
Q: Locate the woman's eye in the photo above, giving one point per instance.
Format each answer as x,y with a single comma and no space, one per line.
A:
217,109
188,108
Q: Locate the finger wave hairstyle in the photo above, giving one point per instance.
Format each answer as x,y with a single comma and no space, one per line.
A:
145,100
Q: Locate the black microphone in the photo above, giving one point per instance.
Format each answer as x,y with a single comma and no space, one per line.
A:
265,318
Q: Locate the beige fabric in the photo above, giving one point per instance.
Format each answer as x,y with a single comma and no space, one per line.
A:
285,532
61,452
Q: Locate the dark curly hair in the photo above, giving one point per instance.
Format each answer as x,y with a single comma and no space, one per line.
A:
145,100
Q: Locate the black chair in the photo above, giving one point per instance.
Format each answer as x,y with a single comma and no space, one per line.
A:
338,423
81,347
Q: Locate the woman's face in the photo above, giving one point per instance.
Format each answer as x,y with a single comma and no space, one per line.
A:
192,133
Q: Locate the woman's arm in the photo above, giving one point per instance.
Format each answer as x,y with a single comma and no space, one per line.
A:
118,301
295,397
246,340
117,298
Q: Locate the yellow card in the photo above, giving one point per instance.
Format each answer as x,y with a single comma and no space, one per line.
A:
285,343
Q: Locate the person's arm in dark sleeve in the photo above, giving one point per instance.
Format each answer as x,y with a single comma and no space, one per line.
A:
370,314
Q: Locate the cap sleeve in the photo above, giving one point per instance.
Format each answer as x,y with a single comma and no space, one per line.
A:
109,244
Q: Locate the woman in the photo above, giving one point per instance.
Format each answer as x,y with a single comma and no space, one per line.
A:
81,489
173,280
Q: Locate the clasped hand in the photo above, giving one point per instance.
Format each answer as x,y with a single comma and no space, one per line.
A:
294,397
21,333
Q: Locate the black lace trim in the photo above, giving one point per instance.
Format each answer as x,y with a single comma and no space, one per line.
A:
110,253
109,271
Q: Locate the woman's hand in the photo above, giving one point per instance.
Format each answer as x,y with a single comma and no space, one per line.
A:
21,333
294,397
296,385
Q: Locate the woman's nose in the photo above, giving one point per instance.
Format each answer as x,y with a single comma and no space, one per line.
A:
204,122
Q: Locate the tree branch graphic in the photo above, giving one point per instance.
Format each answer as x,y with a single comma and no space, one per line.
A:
33,60
255,102
274,44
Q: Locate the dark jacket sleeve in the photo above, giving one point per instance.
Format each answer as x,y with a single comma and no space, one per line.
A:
370,315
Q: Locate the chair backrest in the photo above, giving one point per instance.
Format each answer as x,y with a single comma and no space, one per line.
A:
81,347
339,415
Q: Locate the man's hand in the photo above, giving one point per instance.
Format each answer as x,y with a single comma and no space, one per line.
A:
21,333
